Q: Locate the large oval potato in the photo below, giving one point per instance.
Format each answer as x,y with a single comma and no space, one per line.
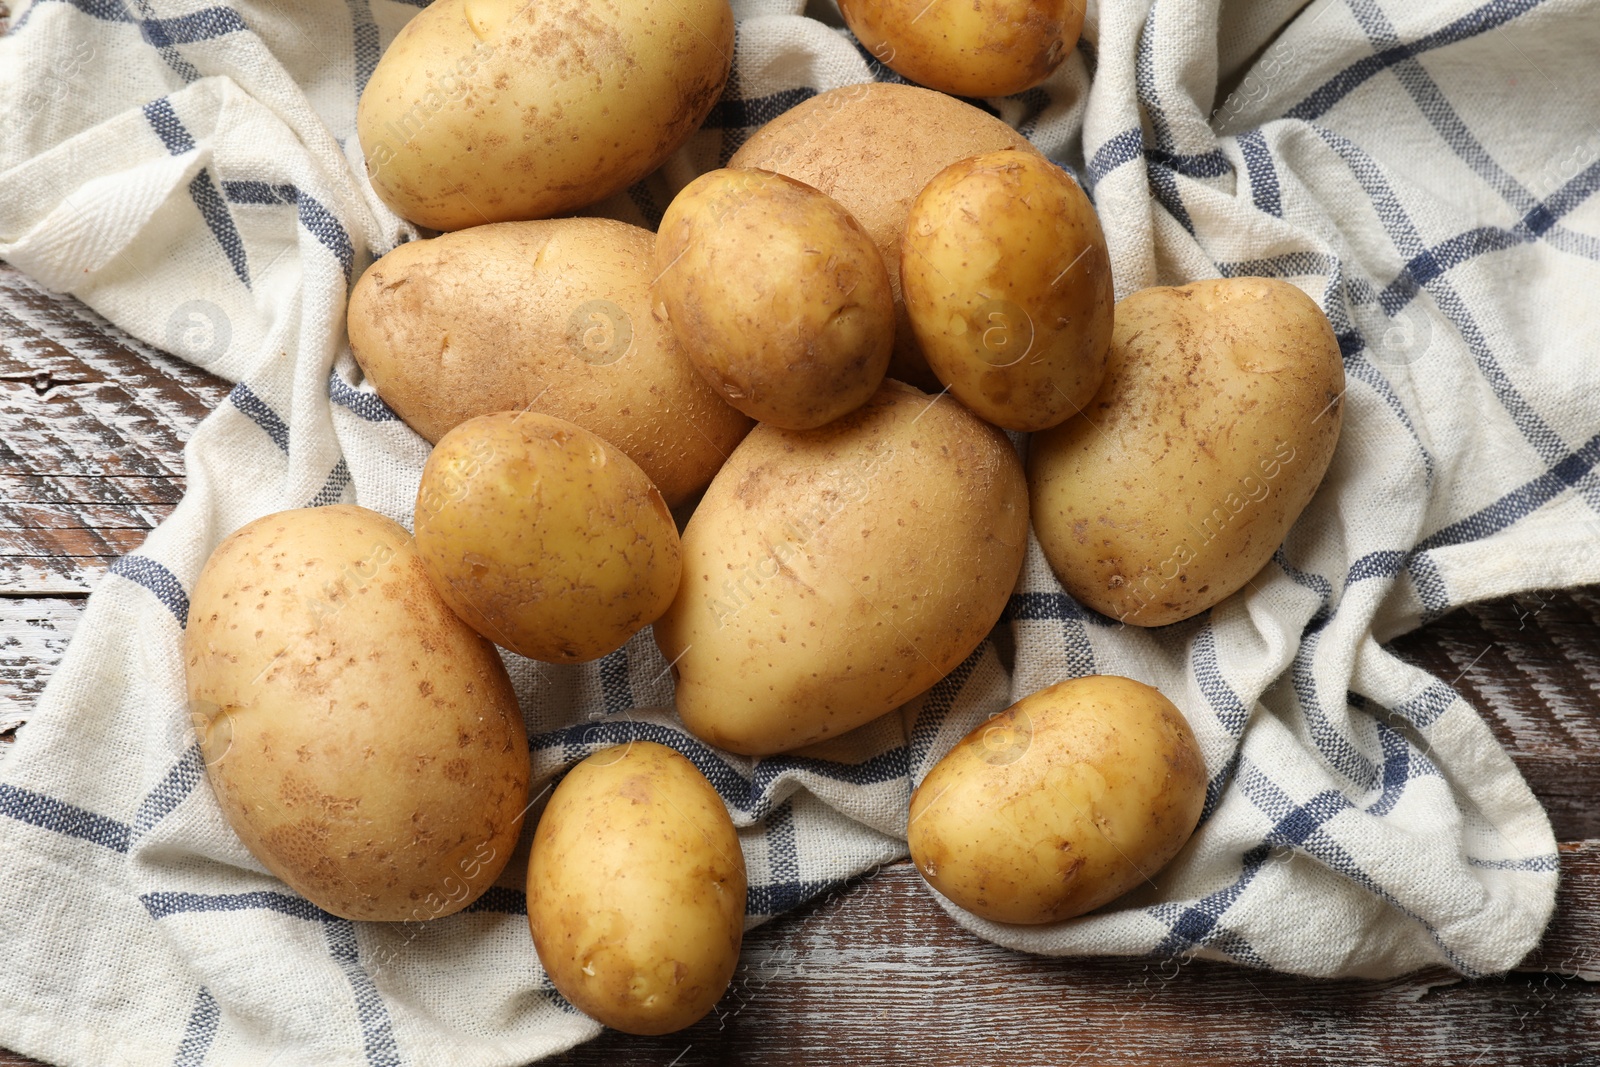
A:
364,743
552,316
636,890
1218,417
830,575
544,537
872,148
778,296
992,48
491,110
1008,286
1061,803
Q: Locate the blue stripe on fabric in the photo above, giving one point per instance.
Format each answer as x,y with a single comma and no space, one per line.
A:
1193,925
142,570
1481,20
785,890
1264,190
48,813
1424,709
1334,744
1401,766
1384,564
164,120
377,1033
204,25
199,1031
163,905
1430,587
500,900
1124,148
245,399
318,220
332,490
174,787
364,42
936,706
1520,502
369,406
615,688
105,10
1549,862
1051,607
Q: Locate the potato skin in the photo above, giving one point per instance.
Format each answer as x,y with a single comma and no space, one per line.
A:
545,538
364,743
1008,286
872,148
830,575
636,890
983,48
1217,419
1061,803
554,316
778,296
496,110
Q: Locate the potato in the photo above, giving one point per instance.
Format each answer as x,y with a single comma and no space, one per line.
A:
545,538
1008,286
636,890
1061,803
501,109
1218,417
830,575
553,316
364,743
778,295
980,49
872,148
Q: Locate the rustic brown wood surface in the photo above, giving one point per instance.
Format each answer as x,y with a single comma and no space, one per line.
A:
91,429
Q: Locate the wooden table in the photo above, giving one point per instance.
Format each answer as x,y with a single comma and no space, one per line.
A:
91,427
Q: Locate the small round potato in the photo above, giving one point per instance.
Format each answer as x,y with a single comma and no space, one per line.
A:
778,296
1008,287
1061,803
365,744
636,890
982,48
1216,421
492,110
545,538
872,148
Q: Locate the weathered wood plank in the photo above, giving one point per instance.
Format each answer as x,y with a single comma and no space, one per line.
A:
34,632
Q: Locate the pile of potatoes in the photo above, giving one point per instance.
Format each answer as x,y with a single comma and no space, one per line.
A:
776,432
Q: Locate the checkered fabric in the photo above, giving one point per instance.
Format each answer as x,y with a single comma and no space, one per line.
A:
1425,170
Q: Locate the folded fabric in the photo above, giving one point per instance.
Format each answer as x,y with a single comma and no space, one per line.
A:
189,170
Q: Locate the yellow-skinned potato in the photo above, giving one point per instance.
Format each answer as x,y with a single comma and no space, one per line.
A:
545,538
872,148
1217,419
1061,803
553,315
830,575
490,110
636,890
979,48
362,740
778,296
1008,286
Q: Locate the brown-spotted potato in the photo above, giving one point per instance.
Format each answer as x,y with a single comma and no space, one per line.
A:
1061,803
490,110
636,889
362,740
1216,421
778,296
545,538
552,316
1008,286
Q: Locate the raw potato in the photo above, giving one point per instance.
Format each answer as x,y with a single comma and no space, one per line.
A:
779,297
1008,286
1061,803
545,538
830,575
988,48
554,316
636,890
361,739
872,148
1217,420
491,110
